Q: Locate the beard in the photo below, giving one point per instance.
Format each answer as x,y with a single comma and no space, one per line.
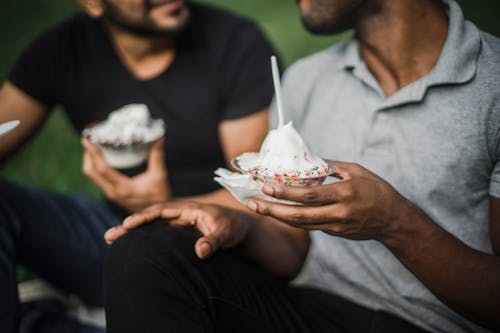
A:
326,17
114,15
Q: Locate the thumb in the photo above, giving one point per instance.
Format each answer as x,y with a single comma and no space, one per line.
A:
206,246
156,156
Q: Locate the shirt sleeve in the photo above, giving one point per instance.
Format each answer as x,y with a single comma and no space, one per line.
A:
247,82
495,181
495,176
34,72
494,123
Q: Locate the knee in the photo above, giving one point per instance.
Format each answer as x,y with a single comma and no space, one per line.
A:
12,191
5,185
15,203
140,252
10,221
7,189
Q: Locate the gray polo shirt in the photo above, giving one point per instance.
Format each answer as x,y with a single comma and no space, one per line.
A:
437,141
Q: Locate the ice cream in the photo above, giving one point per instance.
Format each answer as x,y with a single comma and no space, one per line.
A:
284,158
124,137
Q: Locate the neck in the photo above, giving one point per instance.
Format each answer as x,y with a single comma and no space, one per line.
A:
401,41
144,56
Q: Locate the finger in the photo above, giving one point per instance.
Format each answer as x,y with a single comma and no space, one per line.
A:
90,147
182,223
111,235
190,218
317,195
307,217
344,170
156,156
149,215
101,166
207,245
89,171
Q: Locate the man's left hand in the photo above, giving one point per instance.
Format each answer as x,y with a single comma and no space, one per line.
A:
360,206
132,193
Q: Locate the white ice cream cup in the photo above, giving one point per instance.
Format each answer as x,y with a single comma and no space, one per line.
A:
124,157
125,137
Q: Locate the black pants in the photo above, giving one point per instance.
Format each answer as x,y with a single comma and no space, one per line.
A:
155,283
60,238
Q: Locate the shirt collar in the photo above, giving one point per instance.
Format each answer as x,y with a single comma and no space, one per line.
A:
456,64
458,60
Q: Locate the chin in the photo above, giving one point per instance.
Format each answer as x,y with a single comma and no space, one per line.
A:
171,21
324,29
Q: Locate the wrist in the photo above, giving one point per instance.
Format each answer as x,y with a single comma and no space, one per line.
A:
250,226
160,196
408,231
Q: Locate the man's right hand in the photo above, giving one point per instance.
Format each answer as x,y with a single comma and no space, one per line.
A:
132,193
220,227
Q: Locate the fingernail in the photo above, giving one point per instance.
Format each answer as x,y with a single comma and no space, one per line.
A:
205,250
252,205
268,189
107,235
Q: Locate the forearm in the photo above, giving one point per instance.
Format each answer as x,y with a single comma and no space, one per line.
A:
219,197
465,279
278,248
16,105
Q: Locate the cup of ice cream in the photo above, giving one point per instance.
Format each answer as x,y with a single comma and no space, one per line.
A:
285,159
125,136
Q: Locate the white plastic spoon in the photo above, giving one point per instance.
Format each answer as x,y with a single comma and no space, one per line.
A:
8,126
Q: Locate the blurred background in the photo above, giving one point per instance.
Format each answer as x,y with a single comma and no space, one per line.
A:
52,159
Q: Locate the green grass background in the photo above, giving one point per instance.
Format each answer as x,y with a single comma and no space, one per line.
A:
52,158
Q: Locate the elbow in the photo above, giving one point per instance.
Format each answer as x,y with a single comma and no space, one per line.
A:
291,264
287,270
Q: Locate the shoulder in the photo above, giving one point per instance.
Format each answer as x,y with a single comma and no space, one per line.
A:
65,29
61,36
219,26
325,62
490,54
485,95
487,81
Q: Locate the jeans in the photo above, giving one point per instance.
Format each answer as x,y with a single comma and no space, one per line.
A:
57,236
153,282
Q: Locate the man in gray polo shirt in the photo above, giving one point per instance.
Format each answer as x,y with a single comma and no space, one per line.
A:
411,231
436,140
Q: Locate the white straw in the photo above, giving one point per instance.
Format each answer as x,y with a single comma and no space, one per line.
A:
277,90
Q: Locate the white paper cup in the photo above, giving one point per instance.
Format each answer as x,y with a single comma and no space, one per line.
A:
124,157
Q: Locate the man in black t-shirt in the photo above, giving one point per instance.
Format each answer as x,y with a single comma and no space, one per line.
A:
203,71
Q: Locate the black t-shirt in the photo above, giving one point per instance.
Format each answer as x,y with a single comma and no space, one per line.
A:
221,71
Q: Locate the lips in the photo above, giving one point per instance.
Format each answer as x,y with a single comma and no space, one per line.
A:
168,5
160,2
